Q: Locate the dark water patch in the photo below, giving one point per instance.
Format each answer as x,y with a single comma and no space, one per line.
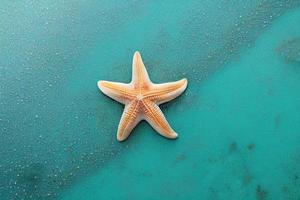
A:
296,177
291,189
290,192
213,193
247,179
261,194
33,174
232,147
28,181
277,121
270,92
251,146
246,175
180,158
146,174
164,106
285,189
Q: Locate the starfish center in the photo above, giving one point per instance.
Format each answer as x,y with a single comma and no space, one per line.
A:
139,97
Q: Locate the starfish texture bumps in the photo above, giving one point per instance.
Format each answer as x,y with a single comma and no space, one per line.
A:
141,98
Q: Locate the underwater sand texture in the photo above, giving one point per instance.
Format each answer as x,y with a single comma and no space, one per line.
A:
57,132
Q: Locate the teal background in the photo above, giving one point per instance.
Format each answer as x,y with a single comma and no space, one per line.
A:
238,121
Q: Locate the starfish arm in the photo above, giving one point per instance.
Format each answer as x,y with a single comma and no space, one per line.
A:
161,93
120,92
140,77
130,118
154,116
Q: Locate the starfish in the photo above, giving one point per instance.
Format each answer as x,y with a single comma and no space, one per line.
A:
142,98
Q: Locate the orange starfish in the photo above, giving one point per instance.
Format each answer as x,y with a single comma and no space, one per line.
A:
141,98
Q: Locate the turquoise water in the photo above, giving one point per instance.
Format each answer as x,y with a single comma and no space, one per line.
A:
238,121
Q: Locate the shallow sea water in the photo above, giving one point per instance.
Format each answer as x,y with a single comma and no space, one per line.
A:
238,121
